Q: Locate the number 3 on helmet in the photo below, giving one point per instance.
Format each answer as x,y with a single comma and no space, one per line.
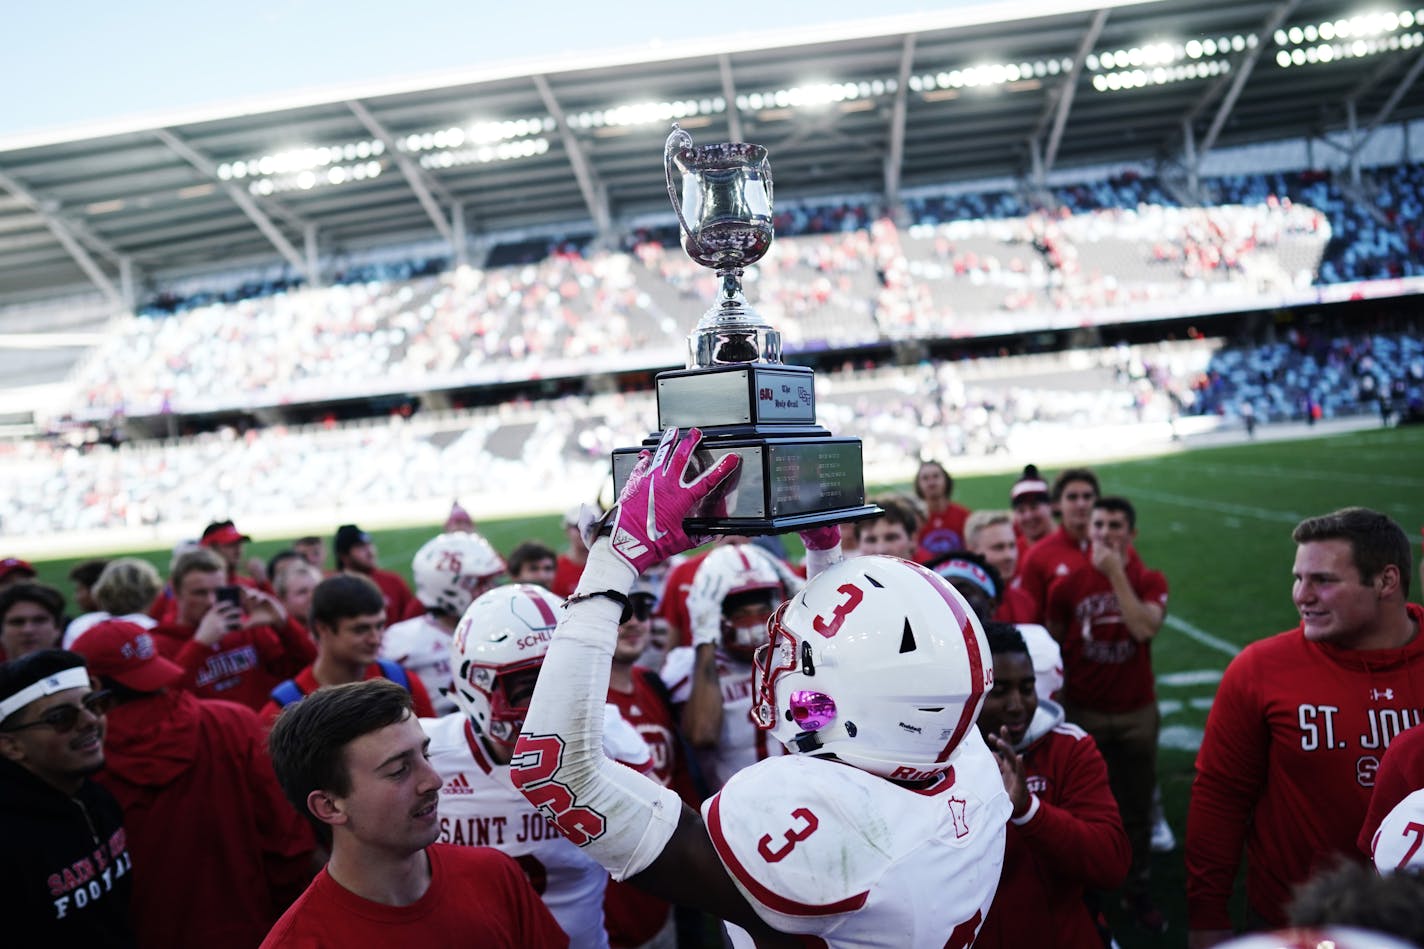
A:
878,661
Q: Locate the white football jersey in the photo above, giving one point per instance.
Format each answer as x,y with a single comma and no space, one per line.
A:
422,646
480,807
824,849
740,744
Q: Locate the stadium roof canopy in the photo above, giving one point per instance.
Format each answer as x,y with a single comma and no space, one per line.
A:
877,107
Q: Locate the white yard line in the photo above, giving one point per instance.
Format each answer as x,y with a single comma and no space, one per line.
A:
1302,474
1220,507
1192,631
1194,677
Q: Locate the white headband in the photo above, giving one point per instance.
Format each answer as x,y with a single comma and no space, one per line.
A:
76,678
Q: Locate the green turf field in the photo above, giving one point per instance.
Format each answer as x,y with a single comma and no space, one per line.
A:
1216,521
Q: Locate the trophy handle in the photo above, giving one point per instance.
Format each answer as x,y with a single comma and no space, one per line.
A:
678,139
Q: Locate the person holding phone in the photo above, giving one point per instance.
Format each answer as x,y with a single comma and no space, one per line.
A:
233,642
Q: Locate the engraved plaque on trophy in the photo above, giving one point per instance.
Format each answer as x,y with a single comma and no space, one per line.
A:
794,474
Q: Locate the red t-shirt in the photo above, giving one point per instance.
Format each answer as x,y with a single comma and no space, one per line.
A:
1057,555
1073,841
648,710
566,576
1401,773
306,683
941,533
1287,764
243,666
1016,607
477,897
219,854
399,600
1104,668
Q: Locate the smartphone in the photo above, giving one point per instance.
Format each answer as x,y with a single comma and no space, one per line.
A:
230,594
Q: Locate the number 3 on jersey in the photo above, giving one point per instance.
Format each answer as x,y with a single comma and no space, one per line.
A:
807,826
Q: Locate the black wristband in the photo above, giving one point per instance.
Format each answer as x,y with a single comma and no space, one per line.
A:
620,598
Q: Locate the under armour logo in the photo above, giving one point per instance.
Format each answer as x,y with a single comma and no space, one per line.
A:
1386,694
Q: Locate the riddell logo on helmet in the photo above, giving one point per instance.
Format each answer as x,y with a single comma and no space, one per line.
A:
904,773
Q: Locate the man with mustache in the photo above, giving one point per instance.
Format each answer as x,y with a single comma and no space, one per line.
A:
353,760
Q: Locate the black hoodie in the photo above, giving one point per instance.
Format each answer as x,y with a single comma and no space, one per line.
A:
64,865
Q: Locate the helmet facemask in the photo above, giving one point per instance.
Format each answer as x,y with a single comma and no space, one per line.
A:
745,618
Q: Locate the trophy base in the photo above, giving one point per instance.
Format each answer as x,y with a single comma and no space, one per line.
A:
785,483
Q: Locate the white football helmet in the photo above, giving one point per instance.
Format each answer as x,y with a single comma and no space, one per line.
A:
878,661
735,570
450,570
498,647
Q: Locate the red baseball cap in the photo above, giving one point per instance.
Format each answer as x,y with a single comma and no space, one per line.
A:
223,533
126,653
10,566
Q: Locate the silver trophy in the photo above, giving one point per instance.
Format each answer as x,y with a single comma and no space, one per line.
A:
794,474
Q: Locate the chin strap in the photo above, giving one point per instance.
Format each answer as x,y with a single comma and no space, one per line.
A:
621,818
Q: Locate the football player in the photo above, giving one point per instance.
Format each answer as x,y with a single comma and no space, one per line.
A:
496,653
451,571
734,594
883,827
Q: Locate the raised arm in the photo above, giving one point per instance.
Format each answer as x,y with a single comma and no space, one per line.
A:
637,829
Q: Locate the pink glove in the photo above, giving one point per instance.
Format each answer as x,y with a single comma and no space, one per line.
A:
821,538
647,520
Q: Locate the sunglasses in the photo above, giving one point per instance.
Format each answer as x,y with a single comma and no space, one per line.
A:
641,606
63,718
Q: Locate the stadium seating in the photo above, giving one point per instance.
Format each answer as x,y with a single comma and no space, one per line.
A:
1344,375
966,264
556,452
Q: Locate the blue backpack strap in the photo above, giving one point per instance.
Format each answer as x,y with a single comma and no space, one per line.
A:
286,693
395,672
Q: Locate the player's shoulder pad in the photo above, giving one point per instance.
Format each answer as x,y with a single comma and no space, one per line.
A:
446,733
804,837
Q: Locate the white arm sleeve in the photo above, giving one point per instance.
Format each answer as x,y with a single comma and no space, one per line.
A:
621,818
818,560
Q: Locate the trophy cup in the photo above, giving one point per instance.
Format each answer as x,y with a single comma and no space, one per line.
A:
794,474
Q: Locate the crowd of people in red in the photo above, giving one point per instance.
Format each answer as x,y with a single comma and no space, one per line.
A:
305,752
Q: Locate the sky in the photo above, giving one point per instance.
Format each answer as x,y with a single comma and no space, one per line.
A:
68,65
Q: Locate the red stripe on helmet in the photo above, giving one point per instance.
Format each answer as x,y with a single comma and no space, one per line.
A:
546,612
971,647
